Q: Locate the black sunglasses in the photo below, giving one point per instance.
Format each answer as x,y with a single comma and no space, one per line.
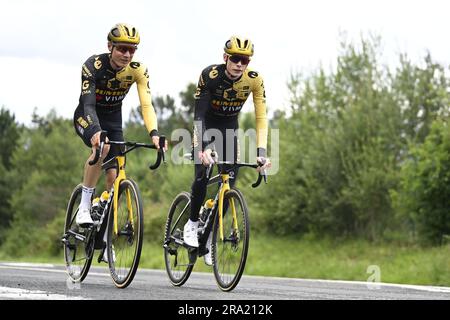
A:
124,49
242,59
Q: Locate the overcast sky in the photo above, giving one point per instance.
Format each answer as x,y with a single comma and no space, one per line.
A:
45,42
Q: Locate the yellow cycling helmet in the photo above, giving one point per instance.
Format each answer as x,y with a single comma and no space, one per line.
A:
238,45
125,33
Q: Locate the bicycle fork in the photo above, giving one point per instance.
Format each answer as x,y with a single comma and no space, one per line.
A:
121,176
223,190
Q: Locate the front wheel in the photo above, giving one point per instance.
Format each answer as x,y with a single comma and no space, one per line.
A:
77,241
230,253
124,246
177,257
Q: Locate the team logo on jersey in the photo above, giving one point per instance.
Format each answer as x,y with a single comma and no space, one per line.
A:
126,83
230,94
97,63
135,65
82,123
253,74
213,73
85,84
86,72
113,84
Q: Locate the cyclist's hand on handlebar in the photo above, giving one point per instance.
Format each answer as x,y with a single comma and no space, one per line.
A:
155,140
264,163
208,157
95,140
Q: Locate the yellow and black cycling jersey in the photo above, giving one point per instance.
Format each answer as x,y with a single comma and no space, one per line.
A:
219,99
103,89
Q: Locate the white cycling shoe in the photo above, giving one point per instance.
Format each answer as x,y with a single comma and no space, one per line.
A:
84,217
190,236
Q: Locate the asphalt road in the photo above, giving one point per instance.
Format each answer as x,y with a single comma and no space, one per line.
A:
50,282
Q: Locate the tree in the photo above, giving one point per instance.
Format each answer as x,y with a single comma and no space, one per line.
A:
423,196
48,164
9,136
342,148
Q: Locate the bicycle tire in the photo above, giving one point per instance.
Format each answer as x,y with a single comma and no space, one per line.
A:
124,264
178,272
227,276
77,271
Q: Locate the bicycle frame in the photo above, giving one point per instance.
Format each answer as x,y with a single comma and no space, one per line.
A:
224,177
122,176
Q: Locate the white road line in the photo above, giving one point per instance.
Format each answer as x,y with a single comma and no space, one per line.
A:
31,268
367,283
27,264
23,294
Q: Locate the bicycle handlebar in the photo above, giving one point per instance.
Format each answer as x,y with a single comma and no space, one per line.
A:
262,175
132,146
161,154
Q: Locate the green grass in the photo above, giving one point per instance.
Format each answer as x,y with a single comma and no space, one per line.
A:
320,259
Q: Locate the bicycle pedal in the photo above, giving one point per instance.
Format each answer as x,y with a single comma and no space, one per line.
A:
181,243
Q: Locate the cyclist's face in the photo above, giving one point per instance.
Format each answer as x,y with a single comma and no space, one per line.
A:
234,69
121,54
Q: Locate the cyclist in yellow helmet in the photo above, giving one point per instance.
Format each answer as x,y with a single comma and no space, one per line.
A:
105,81
221,93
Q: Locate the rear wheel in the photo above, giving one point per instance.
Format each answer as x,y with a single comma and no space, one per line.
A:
78,242
178,259
124,247
229,254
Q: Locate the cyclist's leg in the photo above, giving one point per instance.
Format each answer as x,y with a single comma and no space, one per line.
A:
199,186
113,125
91,173
198,191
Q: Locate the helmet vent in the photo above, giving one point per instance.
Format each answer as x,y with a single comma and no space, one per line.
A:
115,32
245,43
238,42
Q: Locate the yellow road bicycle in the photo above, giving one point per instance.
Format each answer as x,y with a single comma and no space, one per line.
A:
121,218
226,216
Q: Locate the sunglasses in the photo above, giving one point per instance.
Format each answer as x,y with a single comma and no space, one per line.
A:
242,59
125,49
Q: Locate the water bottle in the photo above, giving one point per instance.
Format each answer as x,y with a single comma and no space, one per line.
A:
98,205
205,210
